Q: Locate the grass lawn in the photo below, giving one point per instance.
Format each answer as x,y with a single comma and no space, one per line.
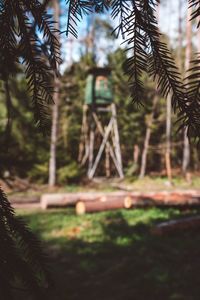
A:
113,255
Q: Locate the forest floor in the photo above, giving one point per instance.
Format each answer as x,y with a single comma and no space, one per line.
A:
114,256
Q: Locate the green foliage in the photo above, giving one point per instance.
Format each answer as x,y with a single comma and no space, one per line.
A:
26,146
70,173
39,173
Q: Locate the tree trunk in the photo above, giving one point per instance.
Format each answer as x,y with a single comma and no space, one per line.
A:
136,153
180,36
147,139
9,113
188,54
55,110
168,140
148,130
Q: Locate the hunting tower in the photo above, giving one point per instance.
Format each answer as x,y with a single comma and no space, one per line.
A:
100,145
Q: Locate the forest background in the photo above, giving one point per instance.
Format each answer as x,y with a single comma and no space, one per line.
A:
150,142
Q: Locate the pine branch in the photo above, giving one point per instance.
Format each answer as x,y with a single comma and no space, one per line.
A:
162,65
195,4
192,119
76,10
21,254
121,10
7,40
20,23
136,64
46,26
37,71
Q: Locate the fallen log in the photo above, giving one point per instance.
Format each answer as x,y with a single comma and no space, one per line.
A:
26,206
176,225
173,197
103,204
145,199
67,199
165,198
23,199
57,200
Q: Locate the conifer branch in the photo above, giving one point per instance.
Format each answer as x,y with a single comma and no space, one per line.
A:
21,254
195,4
192,119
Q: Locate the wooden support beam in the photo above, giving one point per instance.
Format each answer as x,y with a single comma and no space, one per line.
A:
107,161
112,154
116,140
91,149
84,136
101,149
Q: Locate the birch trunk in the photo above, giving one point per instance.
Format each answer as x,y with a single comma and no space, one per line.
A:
55,109
188,54
147,139
168,139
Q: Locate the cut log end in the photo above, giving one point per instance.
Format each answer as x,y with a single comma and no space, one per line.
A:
43,204
128,202
80,208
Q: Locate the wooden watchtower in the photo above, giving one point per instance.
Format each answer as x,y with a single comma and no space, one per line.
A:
100,136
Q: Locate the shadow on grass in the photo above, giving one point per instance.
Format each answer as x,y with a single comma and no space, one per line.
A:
128,263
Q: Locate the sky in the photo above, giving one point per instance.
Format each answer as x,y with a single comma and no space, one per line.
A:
71,49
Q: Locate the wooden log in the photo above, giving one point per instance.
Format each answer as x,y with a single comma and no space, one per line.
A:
176,198
24,199
26,206
171,198
66,199
103,204
57,200
176,225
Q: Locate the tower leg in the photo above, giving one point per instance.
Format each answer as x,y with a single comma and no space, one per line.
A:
111,151
107,161
116,141
92,125
91,148
83,147
101,149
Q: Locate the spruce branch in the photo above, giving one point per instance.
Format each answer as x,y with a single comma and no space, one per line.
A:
121,10
21,254
76,10
195,4
136,64
20,23
192,86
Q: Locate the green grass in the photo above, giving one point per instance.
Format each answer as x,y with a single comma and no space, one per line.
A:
160,183
113,255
